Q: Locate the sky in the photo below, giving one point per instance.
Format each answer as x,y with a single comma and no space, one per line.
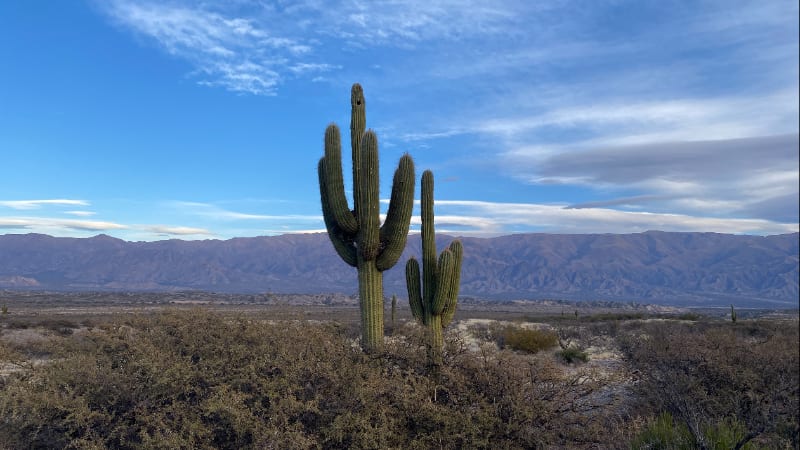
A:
149,120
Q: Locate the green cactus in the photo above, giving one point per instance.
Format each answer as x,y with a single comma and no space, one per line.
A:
435,304
357,234
733,314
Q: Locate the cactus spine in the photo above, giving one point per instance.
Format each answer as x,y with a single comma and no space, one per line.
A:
357,235
434,303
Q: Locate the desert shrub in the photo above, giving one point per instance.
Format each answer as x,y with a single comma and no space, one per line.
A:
195,379
707,373
528,340
488,332
663,433
688,316
63,327
17,324
616,316
572,355
725,434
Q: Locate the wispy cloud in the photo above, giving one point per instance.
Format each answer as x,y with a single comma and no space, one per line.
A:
43,224
722,178
82,228
409,21
165,230
630,121
251,47
215,212
236,53
492,218
36,204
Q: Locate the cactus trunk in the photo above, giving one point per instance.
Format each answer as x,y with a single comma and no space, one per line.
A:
435,343
370,294
357,235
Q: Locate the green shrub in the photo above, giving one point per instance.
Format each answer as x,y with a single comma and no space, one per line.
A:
527,340
726,434
664,434
572,355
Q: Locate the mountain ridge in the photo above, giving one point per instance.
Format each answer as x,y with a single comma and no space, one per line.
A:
687,268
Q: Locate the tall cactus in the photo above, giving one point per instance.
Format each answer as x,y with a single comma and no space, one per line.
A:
435,304
357,234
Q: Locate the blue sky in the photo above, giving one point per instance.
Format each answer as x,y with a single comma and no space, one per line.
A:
150,120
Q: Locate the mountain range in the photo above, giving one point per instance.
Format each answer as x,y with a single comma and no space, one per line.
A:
702,269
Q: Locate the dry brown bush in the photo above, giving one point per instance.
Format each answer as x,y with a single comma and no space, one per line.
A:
195,379
708,373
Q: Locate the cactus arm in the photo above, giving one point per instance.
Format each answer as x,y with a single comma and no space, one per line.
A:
342,243
428,239
455,280
369,208
414,294
358,124
334,182
445,268
394,232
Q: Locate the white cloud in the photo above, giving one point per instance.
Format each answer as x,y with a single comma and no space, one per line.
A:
491,218
717,178
236,53
631,122
36,204
252,47
42,224
80,213
176,230
215,212
409,21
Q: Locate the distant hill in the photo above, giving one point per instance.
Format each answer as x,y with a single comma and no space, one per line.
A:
655,267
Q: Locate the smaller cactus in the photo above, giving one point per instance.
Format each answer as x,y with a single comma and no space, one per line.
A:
394,310
4,309
433,304
733,314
